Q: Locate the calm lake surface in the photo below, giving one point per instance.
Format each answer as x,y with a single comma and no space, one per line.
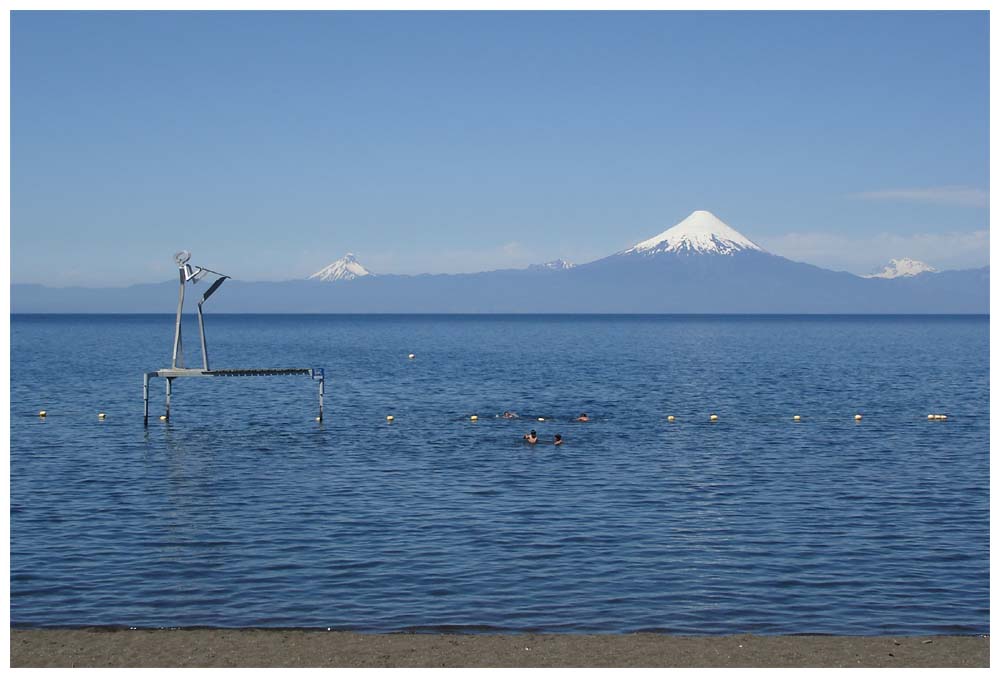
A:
244,511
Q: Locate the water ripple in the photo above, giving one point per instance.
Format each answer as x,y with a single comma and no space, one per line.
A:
242,511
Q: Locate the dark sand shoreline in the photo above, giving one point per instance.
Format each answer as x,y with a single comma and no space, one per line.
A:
100,647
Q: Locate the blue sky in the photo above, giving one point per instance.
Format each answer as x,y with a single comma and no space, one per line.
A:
271,143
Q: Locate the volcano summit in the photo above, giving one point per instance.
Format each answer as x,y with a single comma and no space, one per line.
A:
700,233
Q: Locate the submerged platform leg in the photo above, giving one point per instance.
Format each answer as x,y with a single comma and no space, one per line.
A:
145,398
169,374
322,383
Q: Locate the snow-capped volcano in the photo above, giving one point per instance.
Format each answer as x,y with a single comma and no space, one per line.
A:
345,268
903,268
555,265
700,233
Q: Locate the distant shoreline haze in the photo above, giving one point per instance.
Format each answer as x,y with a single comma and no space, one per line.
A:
700,265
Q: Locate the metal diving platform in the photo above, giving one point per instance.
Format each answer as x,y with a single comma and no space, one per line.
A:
189,274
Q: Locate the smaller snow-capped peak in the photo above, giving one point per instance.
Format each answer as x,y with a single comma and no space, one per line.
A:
554,265
345,268
700,233
903,268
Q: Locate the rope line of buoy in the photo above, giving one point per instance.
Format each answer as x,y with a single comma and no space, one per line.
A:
713,418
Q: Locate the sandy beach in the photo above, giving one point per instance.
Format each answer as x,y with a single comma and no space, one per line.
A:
308,648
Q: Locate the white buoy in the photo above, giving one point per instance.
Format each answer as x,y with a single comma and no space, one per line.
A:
42,413
411,356
163,417
931,417
474,418
796,418
390,418
713,417
101,415
670,417
541,419
857,417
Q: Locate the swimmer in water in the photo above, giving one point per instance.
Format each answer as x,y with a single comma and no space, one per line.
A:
582,417
531,437
507,414
558,440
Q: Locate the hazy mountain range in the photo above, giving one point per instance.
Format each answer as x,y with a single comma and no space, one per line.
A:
701,265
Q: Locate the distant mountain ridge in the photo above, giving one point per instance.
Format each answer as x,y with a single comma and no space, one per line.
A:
555,265
701,265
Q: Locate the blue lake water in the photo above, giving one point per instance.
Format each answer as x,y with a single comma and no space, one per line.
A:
244,511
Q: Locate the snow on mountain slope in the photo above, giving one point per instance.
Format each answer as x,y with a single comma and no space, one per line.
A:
700,233
903,268
345,268
555,265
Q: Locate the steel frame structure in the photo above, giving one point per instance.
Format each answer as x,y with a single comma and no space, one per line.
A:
177,368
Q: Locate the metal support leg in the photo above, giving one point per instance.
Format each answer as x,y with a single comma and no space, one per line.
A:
178,359
145,399
322,383
204,347
170,381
